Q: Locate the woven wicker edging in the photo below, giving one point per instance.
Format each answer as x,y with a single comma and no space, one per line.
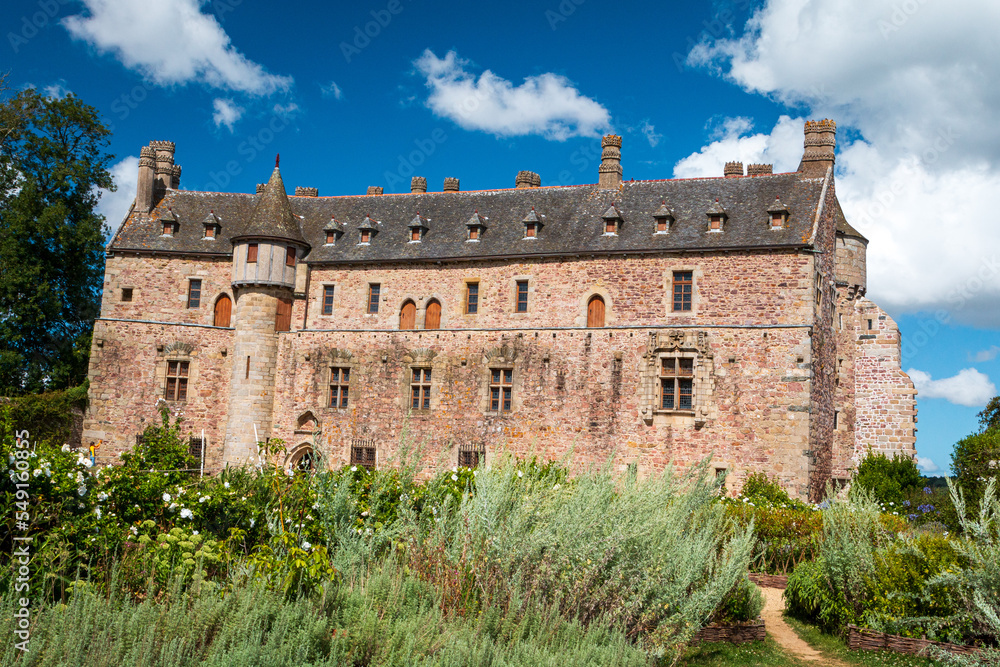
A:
769,580
734,634
863,639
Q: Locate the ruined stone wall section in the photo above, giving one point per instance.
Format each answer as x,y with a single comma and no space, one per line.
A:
160,287
885,398
744,288
128,366
577,395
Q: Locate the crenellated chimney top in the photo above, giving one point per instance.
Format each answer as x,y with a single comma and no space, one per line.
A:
451,184
306,192
760,169
609,174
418,185
820,144
527,179
733,170
374,190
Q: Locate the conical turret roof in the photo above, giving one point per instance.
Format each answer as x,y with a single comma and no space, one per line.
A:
272,217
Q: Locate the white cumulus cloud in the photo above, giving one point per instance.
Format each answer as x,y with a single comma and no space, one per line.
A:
226,113
547,104
988,354
919,154
782,147
969,387
171,42
114,205
926,465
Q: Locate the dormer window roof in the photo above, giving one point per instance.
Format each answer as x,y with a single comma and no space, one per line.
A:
211,223
476,225
612,220
367,229
531,224
716,216
779,214
170,223
333,230
418,227
663,216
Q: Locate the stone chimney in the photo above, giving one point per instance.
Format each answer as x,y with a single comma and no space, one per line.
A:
374,190
820,141
306,192
260,187
418,185
147,177
760,169
164,163
733,170
450,184
175,177
609,174
527,179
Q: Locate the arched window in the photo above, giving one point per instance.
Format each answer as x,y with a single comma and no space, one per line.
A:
302,460
595,311
432,318
408,316
223,311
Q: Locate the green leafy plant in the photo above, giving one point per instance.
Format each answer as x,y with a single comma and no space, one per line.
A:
888,480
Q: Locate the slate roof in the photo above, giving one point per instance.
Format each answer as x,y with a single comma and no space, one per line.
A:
272,216
570,216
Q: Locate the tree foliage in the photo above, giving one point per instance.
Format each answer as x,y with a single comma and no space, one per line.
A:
53,162
888,480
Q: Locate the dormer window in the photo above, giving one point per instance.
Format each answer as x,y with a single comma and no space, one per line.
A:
366,236
367,230
612,221
168,228
170,223
333,230
476,225
778,213
418,226
211,225
663,217
716,217
531,224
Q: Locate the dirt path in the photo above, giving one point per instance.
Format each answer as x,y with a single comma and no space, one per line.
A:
785,636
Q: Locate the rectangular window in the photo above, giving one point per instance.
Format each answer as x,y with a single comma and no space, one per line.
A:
340,381
677,383
529,230
289,256
610,227
683,286
420,389
522,296
373,290
777,220
473,233
210,232
365,235
716,223
251,253
471,456
126,294
415,234
363,453
471,298
661,224
194,293
177,380
328,299
168,229
501,389
195,448
331,238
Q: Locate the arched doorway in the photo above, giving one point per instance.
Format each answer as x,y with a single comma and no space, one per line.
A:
223,311
408,316
302,460
595,311
432,318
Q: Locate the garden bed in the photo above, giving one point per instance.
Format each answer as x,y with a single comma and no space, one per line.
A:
769,580
863,639
734,634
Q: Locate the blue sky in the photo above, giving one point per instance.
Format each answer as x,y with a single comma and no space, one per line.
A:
370,93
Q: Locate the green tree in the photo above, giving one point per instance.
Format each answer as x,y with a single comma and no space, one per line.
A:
888,480
975,460
989,418
53,162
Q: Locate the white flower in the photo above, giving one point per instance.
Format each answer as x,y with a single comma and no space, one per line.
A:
79,478
134,530
82,491
102,496
290,472
204,498
172,507
454,478
557,487
354,468
225,484
520,474
365,513
48,473
194,532
97,511
167,497
65,447
306,546
87,463
252,522
186,513
37,472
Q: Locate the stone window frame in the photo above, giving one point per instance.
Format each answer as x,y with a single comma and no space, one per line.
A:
584,301
668,297
322,299
368,298
201,291
465,296
131,293
293,461
340,365
661,358
512,304
503,358
501,370
678,343
431,397
368,444
476,448
180,352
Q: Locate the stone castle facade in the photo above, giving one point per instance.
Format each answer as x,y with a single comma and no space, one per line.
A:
641,322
